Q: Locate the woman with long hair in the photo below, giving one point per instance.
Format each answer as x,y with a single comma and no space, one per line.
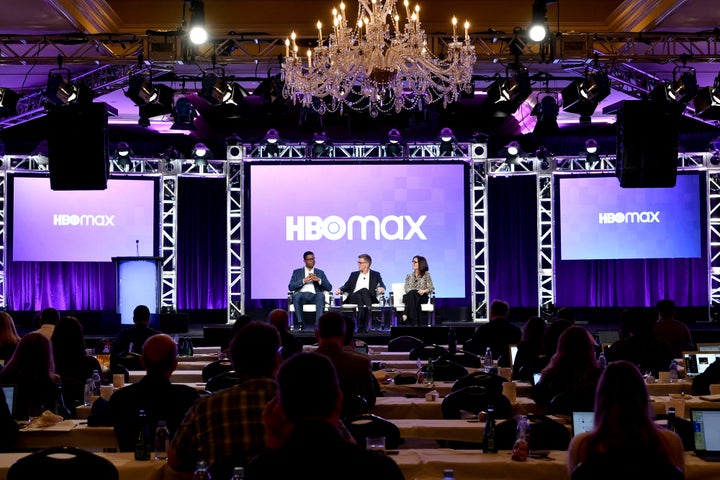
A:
624,433
71,363
529,348
32,370
418,286
9,337
573,369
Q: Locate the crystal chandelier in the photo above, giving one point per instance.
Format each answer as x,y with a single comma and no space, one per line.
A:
375,65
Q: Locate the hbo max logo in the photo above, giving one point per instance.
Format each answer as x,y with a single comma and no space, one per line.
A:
391,227
65,220
629,217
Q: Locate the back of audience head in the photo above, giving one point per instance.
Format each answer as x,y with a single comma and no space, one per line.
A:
160,355
309,397
552,335
666,308
8,332
141,315
240,322
254,349
331,326
534,330
32,360
499,309
349,329
279,319
566,313
575,351
49,316
68,340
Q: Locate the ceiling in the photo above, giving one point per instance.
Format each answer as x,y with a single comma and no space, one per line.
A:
94,34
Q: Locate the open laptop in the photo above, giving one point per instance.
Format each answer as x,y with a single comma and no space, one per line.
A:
582,422
9,391
607,336
513,353
697,362
706,433
708,347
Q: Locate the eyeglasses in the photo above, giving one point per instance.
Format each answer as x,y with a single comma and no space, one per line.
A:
310,259
361,262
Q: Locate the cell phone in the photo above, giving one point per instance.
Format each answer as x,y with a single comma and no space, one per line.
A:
539,454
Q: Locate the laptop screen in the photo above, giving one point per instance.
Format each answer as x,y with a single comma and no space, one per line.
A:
706,428
708,347
697,362
536,378
513,353
9,392
582,422
608,336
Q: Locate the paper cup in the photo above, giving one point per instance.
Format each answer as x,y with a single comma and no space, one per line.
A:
505,372
715,388
664,377
118,380
510,391
106,391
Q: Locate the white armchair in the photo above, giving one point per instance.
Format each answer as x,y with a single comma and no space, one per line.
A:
398,290
308,307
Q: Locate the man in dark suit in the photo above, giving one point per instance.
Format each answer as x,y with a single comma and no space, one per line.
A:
363,287
497,334
353,369
308,285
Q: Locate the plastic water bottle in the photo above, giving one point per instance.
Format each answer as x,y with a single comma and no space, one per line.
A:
96,382
602,361
488,360
448,474
420,374
429,372
452,340
673,371
238,473
489,433
162,439
88,392
201,471
142,443
671,423
59,408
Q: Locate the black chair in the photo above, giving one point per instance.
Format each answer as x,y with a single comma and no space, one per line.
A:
404,343
480,379
603,468
127,360
120,369
222,381
578,400
369,425
215,368
426,352
355,405
446,371
545,434
466,359
404,378
475,400
63,462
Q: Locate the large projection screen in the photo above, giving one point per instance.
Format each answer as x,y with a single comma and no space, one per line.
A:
82,225
391,211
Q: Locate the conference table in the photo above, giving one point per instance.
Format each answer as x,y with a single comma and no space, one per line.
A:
420,464
420,408
81,436
178,376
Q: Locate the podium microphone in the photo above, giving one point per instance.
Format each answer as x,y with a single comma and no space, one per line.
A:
137,247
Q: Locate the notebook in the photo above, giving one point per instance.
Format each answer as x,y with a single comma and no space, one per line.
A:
697,362
582,422
9,391
706,433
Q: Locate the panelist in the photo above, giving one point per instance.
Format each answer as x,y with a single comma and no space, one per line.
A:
363,287
418,286
308,285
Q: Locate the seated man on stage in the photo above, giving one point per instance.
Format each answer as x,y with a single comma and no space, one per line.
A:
308,285
363,287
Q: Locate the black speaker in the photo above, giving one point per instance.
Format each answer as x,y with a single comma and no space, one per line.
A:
78,147
647,143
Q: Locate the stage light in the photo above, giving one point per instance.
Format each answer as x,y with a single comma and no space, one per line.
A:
707,101
201,154
141,90
60,90
512,152
122,155
152,100
591,151
394,148
183,115
447,143
271,141
8,102
198,34
546,111
538,30
715,149
682,89
582,96
320,147
506,95
40,155
215,90
544,156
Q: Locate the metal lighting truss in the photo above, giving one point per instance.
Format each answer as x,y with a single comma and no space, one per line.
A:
235,239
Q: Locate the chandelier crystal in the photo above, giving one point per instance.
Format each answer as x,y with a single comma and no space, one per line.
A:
375,65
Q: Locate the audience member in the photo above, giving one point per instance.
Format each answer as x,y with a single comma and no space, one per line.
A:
154,393
701,383
641,348
354,370
529,349
225,429
302,426
670,331
48,318
32,370
572,369
9,337
8,426
132,338
279,319
239,323
497,333
550,342
566,313
624,434
71,363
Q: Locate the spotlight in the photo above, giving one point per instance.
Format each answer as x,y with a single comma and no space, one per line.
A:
682,89
152,100
512,152
234,147
198,34
60,90
546,111
8,102
394,148
583,95
538,29
591,149
544,156
715,149
271,141
707,101
183,115
41,156
201,154
123,153
505,96
447,143
320,147
141,90
215,90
